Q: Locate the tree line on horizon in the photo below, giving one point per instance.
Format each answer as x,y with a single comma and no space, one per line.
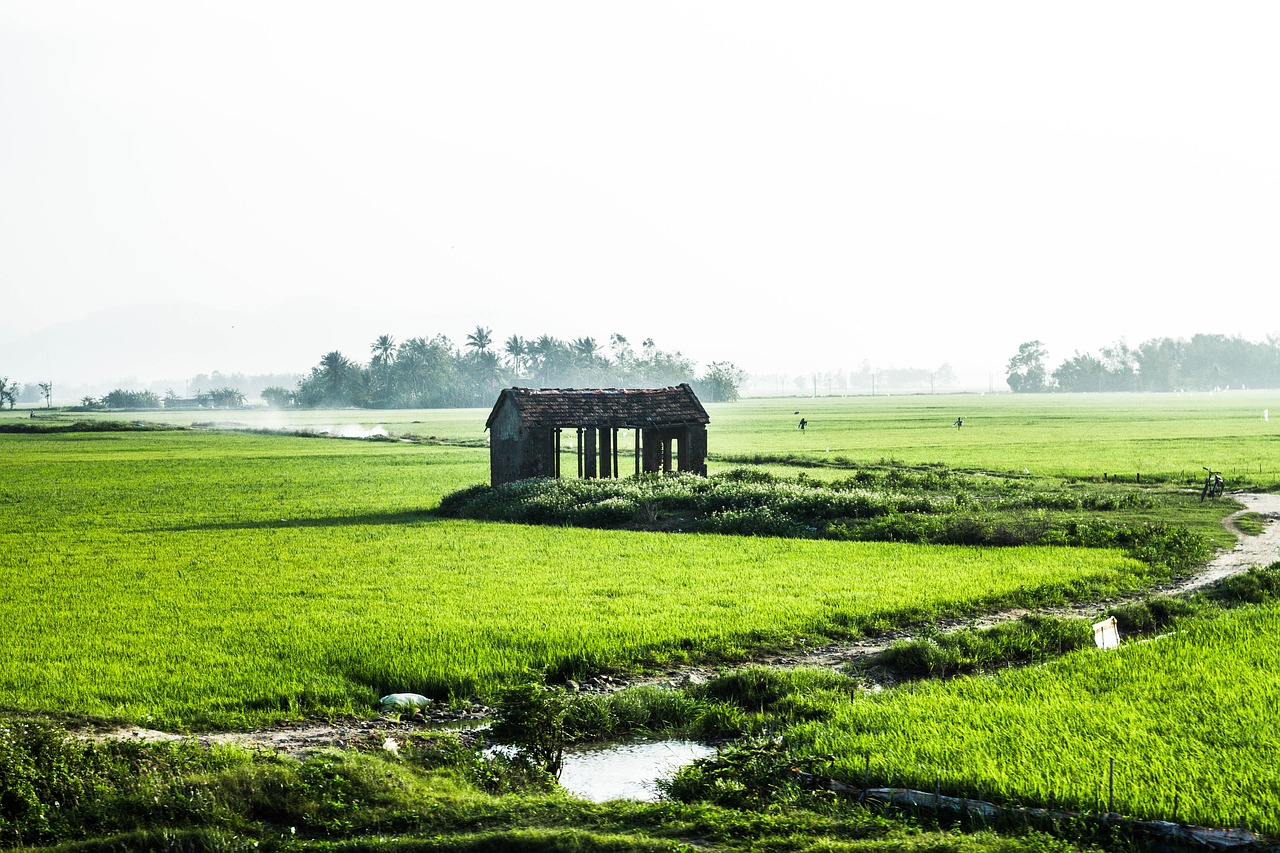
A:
422,372
1203,362
432,372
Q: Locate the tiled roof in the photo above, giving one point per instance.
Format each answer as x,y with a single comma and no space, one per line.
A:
626,408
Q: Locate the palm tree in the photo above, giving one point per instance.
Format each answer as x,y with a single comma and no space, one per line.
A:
585,351
335,374
540,351
517,350
383,349
622,352
549,357
412,368
480,339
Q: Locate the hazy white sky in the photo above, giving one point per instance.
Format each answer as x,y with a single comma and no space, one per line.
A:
243,186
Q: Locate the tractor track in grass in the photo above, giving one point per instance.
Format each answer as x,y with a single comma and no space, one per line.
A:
301,739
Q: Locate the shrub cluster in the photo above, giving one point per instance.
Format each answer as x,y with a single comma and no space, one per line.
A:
886,504
43,777
637,502
54,786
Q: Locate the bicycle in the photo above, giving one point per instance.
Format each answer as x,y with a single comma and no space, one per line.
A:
1213,485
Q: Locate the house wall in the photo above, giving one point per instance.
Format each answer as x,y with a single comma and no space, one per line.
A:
515,452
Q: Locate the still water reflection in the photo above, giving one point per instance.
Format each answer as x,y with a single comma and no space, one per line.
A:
626,771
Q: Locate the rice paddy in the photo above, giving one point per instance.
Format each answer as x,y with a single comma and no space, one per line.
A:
1187,717
195,579
209,579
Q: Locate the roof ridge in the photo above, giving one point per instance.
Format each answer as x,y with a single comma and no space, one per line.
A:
628,408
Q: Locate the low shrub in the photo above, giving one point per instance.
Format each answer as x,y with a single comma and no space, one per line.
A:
1153,614
1170,546
754,774
1031,639
886,504
786,694
1256,586
44,776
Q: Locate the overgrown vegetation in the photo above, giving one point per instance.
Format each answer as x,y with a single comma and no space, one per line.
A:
937,654
541,721
930,505
434,792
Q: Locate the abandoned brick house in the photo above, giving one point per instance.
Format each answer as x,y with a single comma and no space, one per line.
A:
527,425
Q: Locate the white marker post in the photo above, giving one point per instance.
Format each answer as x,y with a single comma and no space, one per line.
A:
1105,634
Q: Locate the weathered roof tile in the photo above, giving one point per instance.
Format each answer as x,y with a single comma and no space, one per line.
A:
625,408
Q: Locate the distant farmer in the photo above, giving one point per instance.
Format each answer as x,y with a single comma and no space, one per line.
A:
802,424
959,423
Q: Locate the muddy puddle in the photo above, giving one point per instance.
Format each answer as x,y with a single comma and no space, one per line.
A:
626,771
622,771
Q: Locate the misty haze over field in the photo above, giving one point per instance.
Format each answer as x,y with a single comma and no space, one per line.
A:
244,187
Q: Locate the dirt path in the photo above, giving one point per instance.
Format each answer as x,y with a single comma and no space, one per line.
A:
1249,551
301,739
1260,550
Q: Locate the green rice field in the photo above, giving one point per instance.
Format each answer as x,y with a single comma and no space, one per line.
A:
1158,436
228,577
203,579
1189,719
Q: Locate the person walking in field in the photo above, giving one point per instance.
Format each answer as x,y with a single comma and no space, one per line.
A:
801,425
959,423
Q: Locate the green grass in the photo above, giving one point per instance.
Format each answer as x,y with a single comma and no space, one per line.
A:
1036,638
203,579
1165,437
1158,436
460,425
1188,718
1250,523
